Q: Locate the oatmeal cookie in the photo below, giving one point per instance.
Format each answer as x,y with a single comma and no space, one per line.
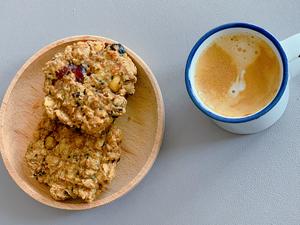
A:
87,84
73,164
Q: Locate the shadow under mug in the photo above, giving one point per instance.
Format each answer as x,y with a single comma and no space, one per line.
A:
288,54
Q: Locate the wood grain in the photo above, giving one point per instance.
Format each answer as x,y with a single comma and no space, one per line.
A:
21,110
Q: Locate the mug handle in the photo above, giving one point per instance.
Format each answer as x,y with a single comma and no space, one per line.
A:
291,46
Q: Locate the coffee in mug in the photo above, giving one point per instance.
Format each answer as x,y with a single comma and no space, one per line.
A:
237,75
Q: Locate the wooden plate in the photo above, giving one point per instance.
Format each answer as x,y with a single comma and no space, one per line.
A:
21,110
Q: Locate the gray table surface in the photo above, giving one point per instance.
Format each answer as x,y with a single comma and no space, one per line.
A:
203,175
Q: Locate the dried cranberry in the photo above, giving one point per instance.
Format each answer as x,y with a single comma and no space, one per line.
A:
79,72
60,73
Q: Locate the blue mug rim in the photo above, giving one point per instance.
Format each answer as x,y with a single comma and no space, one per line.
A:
260,113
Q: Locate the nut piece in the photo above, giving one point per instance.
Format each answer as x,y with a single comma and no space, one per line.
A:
114,85
50,142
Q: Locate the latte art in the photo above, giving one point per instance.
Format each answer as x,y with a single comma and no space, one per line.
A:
237,75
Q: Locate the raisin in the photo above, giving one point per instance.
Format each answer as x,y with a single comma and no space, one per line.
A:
77,94
122,50
118,47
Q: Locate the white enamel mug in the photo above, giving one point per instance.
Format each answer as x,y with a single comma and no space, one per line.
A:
287,52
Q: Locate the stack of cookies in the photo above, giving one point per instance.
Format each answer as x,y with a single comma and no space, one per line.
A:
77,146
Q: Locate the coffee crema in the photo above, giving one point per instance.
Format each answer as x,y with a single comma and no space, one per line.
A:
237,75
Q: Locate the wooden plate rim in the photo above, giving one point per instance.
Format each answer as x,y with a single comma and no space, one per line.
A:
142,173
